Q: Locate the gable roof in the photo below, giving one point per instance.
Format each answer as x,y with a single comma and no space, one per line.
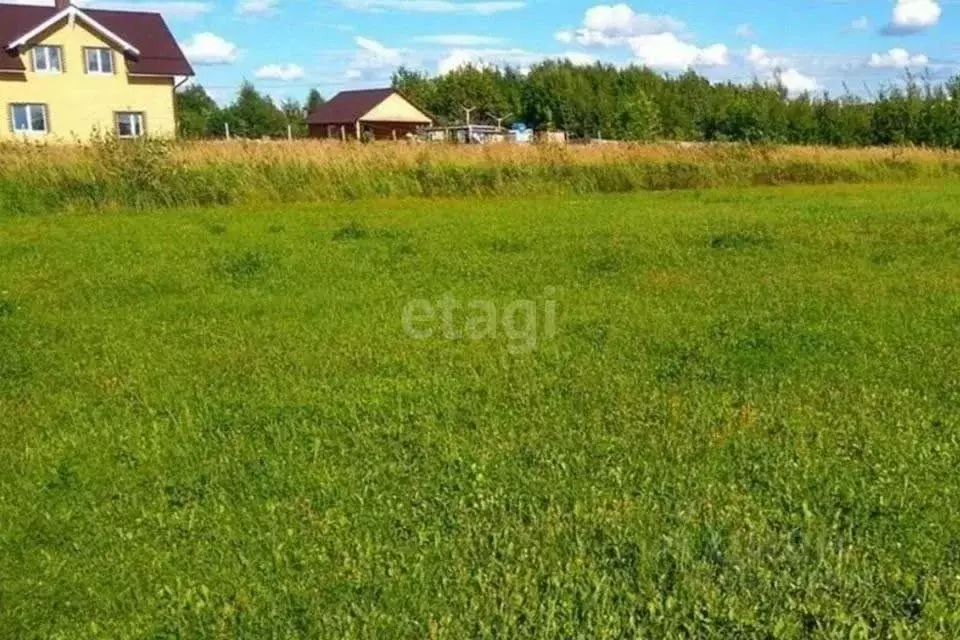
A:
350,106
73,13
150,47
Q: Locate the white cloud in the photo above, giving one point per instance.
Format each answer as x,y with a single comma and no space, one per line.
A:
860,24
377,53
460,40
372,59
284,72
579,58
208,49
912,16
668,52
761,59
610,25
656,41
797,83
483,58
771,68
256,7
897,59
517,58
171,10
435,6
744,31
458,58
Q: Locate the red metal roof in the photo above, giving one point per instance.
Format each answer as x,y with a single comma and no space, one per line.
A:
349,106
160,55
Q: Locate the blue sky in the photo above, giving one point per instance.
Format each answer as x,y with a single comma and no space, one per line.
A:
289,46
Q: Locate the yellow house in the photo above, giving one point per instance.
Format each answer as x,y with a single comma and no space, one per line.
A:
68,73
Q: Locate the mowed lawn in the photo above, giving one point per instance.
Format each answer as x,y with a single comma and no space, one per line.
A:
746,422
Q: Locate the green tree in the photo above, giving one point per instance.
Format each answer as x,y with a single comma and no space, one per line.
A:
194,109
616,102
295,116
418,87
255,116
639,118
314,100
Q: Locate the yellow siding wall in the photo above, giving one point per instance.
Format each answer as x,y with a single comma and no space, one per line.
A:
395,109
78,104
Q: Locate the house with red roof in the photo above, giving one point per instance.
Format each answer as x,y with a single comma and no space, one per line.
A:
374,114
68,73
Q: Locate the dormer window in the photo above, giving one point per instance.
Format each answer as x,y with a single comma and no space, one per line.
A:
99,60
47,59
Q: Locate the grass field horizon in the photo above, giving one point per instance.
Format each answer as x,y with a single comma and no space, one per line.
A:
744,423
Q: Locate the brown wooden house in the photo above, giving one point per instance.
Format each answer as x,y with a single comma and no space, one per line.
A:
378,114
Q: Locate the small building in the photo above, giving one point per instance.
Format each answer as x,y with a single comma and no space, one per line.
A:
466,134
378,114
69,73
552,137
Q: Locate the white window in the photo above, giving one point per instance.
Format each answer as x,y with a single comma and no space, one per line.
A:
99,60
28,118
130,124
47,59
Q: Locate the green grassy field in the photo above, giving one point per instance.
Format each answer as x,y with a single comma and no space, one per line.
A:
745,423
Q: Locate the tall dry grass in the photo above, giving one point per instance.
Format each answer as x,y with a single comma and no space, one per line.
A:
156,174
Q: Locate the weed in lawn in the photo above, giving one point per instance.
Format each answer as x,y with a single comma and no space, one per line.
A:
244,266
739,240
351,231
508,245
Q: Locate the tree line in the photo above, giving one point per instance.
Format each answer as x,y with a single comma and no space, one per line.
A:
252,114
625,103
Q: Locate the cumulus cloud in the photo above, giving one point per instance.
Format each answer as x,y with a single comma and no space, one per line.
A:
283,72
656,41
771,68
796,83
256,7
209,49
744,31
610,25
913,16
371,58
897,59
435,6
668,52
491,57
579,58
761,59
